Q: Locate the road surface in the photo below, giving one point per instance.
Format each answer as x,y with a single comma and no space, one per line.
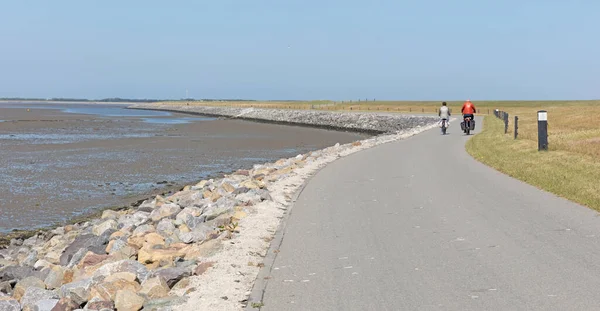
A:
419,225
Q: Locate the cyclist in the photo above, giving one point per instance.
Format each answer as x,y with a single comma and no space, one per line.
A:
444,114
468,110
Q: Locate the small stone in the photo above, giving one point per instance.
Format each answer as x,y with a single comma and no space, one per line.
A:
259,177
65,304
77,257
45,305
26,283
55,278
253,184
136,241
104,227
127,300
201,268
172,275
182,284
6,288
7,263
16,242
116,235
204,250
53,257
132,266
126,252
150,255
110,214
217,211
242,172
147,206
228,187
240,190
166,227
166,211
202,183
9,304
249,198
167,303
31,259
221,221
32,241
97,303
154,239
19,272
184,228
186,197
108,290
109,247
89,242
78,292
143,230
193,236
154,288
127,276
92,259
33,295
137,219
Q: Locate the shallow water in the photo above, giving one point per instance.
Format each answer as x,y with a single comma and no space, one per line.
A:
58,162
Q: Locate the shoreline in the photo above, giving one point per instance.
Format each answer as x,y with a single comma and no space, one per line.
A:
220,229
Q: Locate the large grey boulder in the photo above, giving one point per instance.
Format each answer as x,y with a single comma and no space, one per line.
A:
33,295
89,242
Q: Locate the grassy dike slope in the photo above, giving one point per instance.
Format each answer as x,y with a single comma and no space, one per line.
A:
571,167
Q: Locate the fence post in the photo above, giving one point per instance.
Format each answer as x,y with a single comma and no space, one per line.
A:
505,123
516,126
542,130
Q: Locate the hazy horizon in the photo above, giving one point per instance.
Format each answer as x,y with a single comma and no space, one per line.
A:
301,50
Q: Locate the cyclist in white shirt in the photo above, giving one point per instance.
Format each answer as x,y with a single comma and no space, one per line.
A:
444,113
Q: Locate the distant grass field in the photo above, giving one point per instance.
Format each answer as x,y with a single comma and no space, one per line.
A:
485,107
571,167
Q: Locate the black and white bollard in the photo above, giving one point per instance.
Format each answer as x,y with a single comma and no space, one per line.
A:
516,126
542,130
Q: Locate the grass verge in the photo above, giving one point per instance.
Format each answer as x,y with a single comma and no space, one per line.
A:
566,172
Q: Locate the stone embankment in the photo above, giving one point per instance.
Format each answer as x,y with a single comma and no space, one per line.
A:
375,123
198,249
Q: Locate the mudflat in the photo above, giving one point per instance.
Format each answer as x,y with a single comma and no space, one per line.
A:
57,164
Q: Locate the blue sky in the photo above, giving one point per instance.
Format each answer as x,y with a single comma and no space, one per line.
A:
301,49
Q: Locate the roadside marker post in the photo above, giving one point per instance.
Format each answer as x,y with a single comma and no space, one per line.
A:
516,126
542,117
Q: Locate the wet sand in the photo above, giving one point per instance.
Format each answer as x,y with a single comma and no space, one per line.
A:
55,166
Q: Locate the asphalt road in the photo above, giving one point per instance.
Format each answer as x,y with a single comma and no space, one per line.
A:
419,225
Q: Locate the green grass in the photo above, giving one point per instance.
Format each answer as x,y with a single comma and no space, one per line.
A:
567,173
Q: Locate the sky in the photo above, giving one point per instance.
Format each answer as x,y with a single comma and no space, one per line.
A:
301,49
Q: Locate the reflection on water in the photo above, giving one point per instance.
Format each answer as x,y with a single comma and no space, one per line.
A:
56,138
176,120
92,109
112,111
